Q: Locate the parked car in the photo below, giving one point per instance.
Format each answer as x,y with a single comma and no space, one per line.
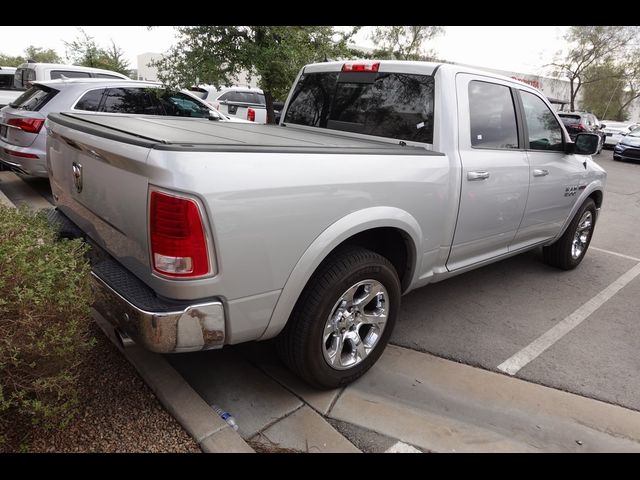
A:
382,177
30,72
23,141
247,103
615,131
580,122
8,93
628,148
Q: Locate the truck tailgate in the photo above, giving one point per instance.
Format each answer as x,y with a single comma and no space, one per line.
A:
101,185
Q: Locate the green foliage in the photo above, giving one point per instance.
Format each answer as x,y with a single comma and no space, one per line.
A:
37,54
404,42
604,95
216,55
45,299
591,46
86,52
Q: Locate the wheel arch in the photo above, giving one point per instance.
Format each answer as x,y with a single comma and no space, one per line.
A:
378,228
594,191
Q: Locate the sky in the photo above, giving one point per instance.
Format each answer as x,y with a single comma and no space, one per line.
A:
523,49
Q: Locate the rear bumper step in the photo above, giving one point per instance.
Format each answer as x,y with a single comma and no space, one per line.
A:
158,324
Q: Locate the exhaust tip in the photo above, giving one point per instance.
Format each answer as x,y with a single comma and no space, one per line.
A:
123,338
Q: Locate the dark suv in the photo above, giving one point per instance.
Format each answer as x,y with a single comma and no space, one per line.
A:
578,122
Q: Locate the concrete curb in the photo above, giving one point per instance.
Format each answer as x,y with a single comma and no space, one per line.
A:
211,432
4,200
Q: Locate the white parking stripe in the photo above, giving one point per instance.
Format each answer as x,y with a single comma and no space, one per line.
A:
400,447
614,253
535,348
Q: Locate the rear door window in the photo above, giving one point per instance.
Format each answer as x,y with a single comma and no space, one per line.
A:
394,105
129,100
90,101
69,74
492,115
34,98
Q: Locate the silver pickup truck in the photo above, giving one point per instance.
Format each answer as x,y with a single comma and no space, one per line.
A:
381,177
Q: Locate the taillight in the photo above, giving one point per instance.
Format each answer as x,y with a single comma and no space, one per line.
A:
31,125
178,242
251,115
361,67
580,127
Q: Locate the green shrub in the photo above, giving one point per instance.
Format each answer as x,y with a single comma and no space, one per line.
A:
45,299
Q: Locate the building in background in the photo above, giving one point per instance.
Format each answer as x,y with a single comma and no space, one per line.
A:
150,74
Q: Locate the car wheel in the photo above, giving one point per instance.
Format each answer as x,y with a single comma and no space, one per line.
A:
569,250
343,319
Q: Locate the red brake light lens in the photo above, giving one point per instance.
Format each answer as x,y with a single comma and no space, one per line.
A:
251,115
19,154
30,125
361,67
580,127
178,242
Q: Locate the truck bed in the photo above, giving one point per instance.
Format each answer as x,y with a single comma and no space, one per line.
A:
192,134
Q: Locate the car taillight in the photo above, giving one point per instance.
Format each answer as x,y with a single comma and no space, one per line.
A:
361,67
580,127
31,125
251,115
178,242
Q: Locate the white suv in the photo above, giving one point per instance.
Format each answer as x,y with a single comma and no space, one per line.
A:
35,72
247,103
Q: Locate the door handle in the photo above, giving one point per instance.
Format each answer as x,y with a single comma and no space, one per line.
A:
540,172
479,175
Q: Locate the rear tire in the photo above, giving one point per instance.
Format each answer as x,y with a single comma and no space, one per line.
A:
569,250
336,331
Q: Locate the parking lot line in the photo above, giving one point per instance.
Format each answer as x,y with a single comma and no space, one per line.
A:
615,253
547,339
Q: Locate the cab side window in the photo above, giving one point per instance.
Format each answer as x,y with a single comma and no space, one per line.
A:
543,130
492,116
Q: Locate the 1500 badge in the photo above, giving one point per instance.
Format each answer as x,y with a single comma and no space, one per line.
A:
571,190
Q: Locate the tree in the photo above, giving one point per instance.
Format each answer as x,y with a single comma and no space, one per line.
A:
37,54
216,55
605,97
591,46
404,42
630,81
86,52
42,55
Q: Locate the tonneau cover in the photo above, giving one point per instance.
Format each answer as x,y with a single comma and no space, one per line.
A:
196,134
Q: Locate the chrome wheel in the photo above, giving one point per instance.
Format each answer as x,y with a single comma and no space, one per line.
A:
582,235
355,324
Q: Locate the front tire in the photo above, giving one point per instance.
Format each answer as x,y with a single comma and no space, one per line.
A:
343,318
569,250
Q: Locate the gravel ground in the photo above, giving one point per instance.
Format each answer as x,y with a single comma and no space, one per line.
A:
118,412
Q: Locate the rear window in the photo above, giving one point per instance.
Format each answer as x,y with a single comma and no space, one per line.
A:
23,76
34,98
199,92
570,119
394,105
68,74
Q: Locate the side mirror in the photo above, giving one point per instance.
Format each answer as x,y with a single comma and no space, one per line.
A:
602,125
586,143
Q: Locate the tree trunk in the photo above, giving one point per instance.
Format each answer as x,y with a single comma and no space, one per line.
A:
269,101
